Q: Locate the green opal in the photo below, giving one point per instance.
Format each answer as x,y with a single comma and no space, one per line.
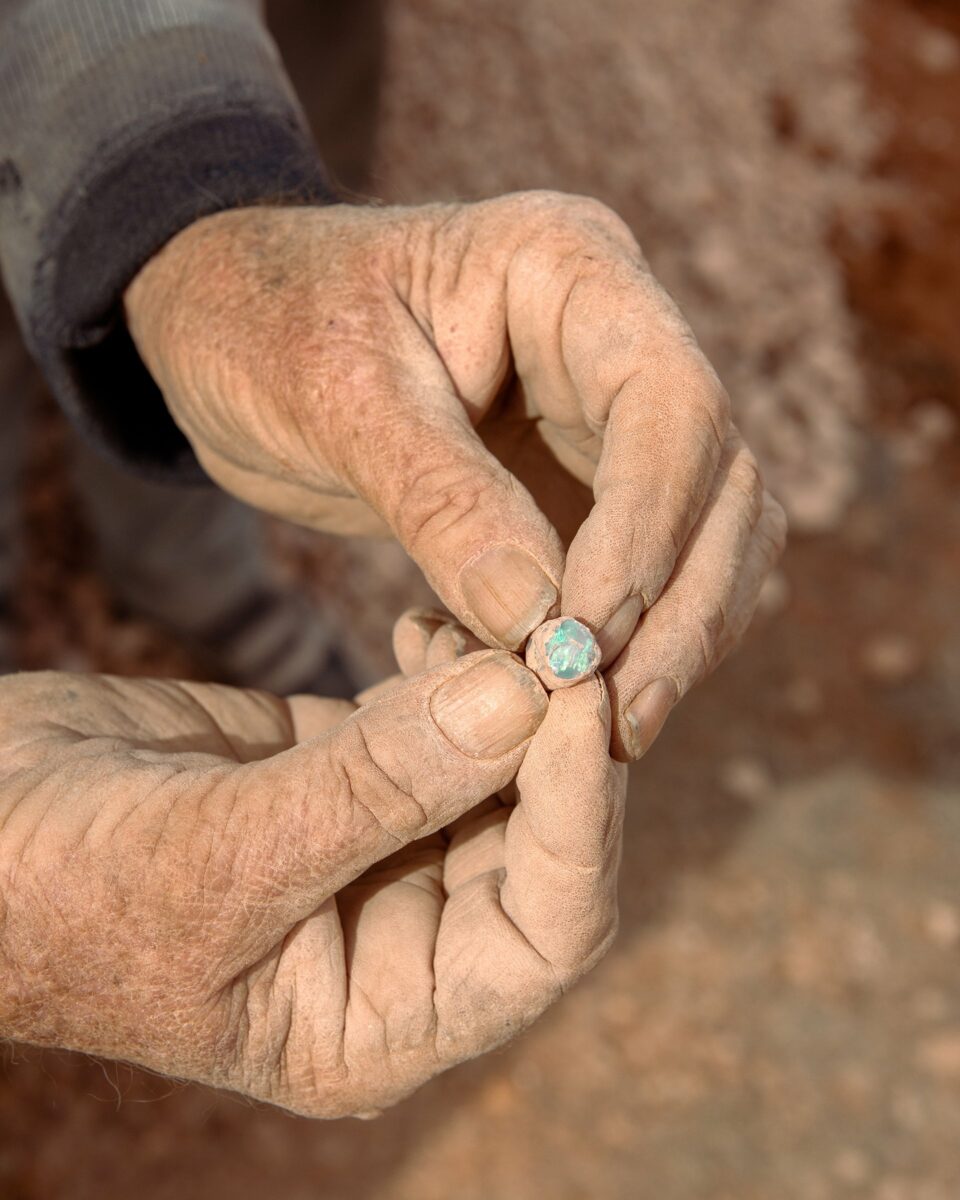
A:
570,650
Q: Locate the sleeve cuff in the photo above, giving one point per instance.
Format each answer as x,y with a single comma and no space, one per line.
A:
100,241
152,121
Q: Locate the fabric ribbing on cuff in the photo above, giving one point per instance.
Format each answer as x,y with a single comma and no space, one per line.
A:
119,126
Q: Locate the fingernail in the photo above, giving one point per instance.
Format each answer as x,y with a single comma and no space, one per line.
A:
490,708
451,642
446,646
647,714
411,638
508,592
619,629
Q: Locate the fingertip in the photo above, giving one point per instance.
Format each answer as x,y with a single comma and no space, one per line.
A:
602,582
645,716
590,696
619,629
412,633
580,712
450,642
507,592
491,707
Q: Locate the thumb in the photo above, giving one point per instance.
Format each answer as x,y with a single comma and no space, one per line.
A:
485,547
396,770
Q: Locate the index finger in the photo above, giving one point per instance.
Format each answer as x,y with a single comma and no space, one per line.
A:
667,419
602,349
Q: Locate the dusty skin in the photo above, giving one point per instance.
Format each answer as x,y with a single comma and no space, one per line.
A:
313,904
813,906
368,370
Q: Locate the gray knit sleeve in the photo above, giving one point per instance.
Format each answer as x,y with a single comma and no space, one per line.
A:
121,122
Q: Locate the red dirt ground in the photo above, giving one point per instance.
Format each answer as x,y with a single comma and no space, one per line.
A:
781,1014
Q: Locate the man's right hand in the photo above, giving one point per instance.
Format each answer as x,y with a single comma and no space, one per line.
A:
317,906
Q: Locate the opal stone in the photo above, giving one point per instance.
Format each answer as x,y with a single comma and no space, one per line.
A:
571,650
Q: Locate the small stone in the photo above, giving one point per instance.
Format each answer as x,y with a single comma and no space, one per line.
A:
562,652
746,778
570,650
803,696
852,1167
936,51
890,659
931,425
930,1005
935,422
939,1054
941,924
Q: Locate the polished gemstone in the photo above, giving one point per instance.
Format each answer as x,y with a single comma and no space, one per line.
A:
571,650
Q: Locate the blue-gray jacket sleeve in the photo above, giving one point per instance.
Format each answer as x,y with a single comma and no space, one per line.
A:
121,121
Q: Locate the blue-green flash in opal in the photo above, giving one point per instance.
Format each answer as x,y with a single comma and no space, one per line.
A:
570,649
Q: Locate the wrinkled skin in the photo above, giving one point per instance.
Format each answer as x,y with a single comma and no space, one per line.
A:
461,376
313,905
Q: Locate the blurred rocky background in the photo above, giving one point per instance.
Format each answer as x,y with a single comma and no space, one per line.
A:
780,1017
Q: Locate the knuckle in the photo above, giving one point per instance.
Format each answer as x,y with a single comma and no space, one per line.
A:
746,481
718,403
371,790
706,630
591,213
667,536
583,219
564,206
605,936
437,500
712,400
773,527
323,1102
597,940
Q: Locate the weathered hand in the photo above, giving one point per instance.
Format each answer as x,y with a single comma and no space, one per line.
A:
297,900
418,370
